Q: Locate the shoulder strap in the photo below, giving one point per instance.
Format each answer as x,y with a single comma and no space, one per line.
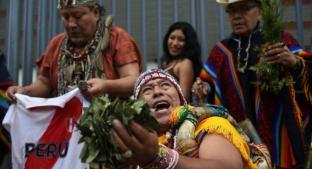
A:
107,26
104,41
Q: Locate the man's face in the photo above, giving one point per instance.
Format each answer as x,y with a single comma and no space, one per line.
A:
80,23
244,16
161,95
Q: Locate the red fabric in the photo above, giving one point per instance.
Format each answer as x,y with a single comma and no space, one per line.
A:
269,111
121,50
230,100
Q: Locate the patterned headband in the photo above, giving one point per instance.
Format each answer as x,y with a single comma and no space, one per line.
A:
62,4
156,74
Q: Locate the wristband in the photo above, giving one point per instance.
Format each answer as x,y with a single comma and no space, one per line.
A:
166,159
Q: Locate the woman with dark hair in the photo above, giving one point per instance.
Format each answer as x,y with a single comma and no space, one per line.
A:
182,55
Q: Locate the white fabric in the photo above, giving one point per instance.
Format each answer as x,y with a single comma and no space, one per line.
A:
28,120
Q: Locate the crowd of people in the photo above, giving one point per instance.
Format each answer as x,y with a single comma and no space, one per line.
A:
237,125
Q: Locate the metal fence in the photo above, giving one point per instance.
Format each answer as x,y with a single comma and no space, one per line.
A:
30,24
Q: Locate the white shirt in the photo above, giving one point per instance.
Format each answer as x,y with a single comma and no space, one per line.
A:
43,131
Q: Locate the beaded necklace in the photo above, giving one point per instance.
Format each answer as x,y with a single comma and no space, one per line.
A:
241,67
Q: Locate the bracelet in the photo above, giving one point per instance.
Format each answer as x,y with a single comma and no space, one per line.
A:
166,159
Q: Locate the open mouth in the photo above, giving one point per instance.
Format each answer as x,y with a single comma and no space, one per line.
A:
161,105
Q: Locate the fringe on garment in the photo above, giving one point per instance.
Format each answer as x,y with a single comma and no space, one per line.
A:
220,126
307,82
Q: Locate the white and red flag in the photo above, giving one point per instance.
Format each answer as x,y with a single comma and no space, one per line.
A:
43,131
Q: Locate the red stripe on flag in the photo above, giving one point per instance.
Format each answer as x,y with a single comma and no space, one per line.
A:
55,138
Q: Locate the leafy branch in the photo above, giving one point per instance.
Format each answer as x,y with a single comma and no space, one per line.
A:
271,76
273,25
95,126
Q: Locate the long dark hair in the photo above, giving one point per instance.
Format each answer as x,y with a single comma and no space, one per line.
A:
191,50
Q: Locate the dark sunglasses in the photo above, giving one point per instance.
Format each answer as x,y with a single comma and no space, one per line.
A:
241,8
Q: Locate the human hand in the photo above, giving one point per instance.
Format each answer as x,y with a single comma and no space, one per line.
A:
200,90
139,147
83,87
11,91
279,53
92,87
199,87
96,86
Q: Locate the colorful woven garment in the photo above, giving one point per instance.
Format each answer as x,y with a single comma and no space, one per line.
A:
277,118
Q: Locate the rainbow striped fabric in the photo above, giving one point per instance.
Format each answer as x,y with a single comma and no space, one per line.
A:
3,103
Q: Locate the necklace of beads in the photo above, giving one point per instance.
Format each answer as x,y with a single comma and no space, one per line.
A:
240,66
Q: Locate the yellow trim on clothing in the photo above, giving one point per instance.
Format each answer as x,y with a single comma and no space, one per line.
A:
223,127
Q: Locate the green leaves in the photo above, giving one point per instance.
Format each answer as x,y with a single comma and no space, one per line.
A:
272,16
96,125
271,78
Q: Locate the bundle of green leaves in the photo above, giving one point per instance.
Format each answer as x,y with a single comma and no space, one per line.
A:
95,126
271,77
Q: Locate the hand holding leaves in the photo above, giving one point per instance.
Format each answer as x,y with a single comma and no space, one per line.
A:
271,77
96,127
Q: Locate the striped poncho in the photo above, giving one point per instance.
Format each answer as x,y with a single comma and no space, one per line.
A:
279,119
